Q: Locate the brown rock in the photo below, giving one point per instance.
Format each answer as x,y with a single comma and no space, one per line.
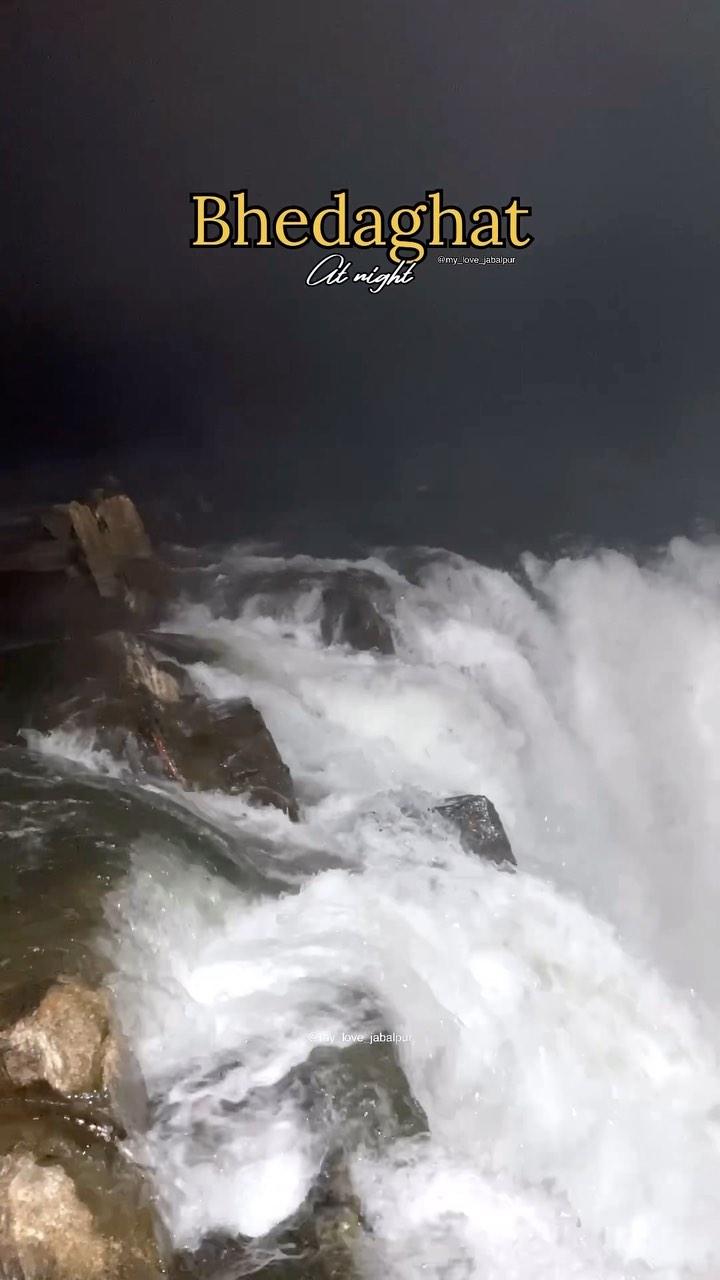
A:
46,1232
97,552
224,747
78,569
123,531
143,672
57,522
76,1140
35,557
62,1043
116,550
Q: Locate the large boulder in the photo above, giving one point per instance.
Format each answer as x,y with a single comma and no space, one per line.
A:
224,746
79,568
115,550
352,612
354,603
72,1208
46,1232
106,685
65,1042
481,831
142,708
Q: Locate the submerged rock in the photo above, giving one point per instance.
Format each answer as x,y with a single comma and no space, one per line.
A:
480,828
65,1042
338,1221
351,613
46,1232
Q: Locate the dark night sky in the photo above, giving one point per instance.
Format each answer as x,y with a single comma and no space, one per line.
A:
578,391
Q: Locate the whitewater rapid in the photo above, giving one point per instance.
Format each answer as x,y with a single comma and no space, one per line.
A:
556,1028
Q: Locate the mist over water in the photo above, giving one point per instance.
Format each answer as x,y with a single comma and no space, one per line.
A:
550,1103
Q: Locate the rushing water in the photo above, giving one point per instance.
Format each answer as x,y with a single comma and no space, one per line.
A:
542,1097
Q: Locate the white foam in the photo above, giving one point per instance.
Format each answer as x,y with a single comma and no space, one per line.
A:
541,1053
78,747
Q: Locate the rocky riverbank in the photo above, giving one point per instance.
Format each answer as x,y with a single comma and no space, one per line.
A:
86,652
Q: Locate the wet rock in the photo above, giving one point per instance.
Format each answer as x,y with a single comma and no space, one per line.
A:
79,568
143,710
122,529
26,672
117,553
57,523
71,1205
143,672
110,535
222,1257
480,828
338,1221
128,665
64,1042
123,1085
46,606
183,648
96,554
225,746
105,684
38,557
46,1232
351,612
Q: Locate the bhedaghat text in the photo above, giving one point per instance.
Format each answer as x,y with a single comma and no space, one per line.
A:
406,233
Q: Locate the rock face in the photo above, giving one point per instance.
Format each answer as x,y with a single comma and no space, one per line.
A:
481,831
46,1232
224,746
141,671
122,529
64,1043
111,538
143,709
337,1220
351,614
78,568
